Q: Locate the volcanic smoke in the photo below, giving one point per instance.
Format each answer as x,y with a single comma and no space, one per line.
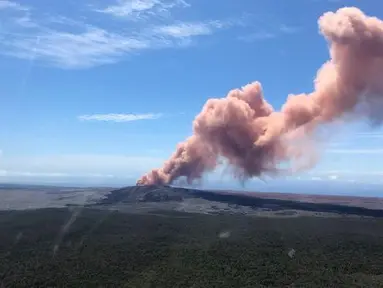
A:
245,130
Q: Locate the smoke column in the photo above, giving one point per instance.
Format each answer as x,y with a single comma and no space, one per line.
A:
245,130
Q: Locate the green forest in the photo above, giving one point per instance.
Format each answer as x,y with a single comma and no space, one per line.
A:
76,247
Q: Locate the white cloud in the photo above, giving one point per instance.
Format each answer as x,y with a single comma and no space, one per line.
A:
140,9
262,35
25,21
329,1
357,176
68,50
119,117
128,7
73,44
182,30
5,4
289,29
316,178
269,33
333,177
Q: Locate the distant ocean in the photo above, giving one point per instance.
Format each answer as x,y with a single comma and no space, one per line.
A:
308,187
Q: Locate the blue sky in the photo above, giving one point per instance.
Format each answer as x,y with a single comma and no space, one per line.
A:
98,92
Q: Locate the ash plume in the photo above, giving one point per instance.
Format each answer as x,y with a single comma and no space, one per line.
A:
245,130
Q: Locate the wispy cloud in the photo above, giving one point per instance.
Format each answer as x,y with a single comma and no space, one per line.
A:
183,30
72,44
257,36
333,177
289,29
68,50
329,1
25,21
141,9
268,35
96,46
5,4
119,117
129,7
